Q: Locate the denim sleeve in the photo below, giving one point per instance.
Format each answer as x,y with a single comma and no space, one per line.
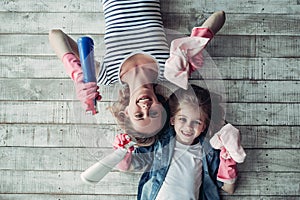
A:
214,167
142,157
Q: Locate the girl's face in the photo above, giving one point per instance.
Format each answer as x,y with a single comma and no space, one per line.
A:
188,124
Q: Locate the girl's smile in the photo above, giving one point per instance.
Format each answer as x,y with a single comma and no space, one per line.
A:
188,124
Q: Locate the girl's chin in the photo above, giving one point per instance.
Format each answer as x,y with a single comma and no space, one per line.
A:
185,140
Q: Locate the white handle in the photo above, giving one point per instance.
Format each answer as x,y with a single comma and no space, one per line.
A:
97,171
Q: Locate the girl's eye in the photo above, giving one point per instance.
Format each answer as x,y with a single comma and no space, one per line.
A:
197,123
182,119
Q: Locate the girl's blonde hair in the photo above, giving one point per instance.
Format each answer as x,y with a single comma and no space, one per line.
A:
208,104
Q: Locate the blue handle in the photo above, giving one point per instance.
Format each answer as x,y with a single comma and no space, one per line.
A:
86,54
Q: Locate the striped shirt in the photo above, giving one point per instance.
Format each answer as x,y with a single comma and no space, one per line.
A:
131,26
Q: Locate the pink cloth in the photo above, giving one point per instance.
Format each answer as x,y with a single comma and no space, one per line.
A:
186,57
229,138
73,67
227,172
121,140
228,141
86,92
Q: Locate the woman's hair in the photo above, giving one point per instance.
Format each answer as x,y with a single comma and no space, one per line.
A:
118,111
208,103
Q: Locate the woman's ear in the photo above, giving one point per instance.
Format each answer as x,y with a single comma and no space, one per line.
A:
123,114
126,111
172,121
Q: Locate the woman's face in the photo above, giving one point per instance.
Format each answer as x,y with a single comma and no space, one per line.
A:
145,112
188,124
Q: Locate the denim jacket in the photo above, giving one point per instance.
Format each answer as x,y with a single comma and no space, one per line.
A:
157,158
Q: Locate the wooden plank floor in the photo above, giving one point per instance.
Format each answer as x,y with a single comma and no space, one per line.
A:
41,152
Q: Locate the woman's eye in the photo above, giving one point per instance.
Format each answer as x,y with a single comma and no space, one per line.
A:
138,115
153,114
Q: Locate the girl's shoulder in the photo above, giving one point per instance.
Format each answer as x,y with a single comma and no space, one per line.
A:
208,149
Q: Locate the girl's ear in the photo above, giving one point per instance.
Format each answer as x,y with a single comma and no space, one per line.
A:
172,121
204,128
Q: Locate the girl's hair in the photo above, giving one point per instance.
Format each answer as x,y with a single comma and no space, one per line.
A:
208,104
118,111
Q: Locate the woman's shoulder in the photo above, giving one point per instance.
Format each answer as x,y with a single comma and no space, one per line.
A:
167,133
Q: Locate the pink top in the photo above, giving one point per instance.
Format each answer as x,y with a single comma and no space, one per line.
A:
186,56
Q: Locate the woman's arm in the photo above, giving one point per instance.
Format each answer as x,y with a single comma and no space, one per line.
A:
61,43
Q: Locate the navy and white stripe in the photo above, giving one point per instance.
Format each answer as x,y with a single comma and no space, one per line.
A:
131,25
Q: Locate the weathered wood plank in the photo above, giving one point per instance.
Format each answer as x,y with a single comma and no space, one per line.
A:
229,67
78,159
254,46
58,182
236,24
86,23
126,197
270,136
66,197
266,183
50,6
62,182
62,112
177,6
232,6
31,67
92,23
259,197
220,46
271,161
233,91
263,114
52,112
53,135
35,45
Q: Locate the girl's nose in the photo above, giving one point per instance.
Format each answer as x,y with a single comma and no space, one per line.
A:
189,126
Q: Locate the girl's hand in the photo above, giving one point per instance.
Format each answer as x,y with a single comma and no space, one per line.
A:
227,172
229,138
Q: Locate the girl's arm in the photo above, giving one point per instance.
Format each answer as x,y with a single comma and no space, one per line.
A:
228,141
229,188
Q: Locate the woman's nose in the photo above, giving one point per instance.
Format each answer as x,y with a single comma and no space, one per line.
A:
145,106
